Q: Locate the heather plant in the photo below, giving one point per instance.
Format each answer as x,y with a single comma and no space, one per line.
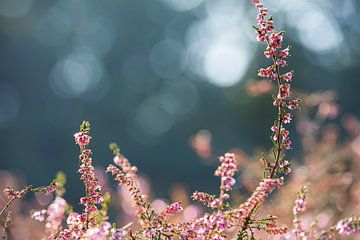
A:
226,217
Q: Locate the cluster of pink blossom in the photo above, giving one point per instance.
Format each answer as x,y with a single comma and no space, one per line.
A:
226,171
12,193
210,226
170,210
53,217
121,161
93,194
348,226
204,198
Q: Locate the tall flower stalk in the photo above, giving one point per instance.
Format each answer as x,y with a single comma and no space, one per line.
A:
93,195
265,31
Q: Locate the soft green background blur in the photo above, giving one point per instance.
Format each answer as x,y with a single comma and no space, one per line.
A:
150,73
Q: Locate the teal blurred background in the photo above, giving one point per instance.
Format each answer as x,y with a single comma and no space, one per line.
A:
148,74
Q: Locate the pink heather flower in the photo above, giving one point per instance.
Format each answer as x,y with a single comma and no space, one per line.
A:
284,91
39,215
269,52
348,226
98,232
284,53
82,139
294,104
273,229
260,36
89,178
55,212
287,144
275,40
204,198
227,170
276,103
267,73
270,25
288,76
11,193
126,181
299,207
91,183
210,226
281,63
285,164
124,163
51,188
287,118
170,210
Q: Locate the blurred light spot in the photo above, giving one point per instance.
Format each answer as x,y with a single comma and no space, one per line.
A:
191,212
259,88
217,49
76,74
56,26
144,184
137,74
9,104
182,5
225,63
42,199
195,56
150,121
355,146
158,205
95,34
166,58
201,143
179,97
177,27
179,193
15,8
319,32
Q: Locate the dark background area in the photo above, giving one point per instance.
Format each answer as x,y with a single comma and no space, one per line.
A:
148,74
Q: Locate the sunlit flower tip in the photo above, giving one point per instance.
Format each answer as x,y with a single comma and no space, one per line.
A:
348,226
51,188
204,198
170,210
82,139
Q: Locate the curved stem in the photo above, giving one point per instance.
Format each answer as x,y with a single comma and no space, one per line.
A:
7,205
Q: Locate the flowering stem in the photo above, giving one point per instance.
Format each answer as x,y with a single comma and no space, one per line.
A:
279,118
17,195
6,225
7,205
86,190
